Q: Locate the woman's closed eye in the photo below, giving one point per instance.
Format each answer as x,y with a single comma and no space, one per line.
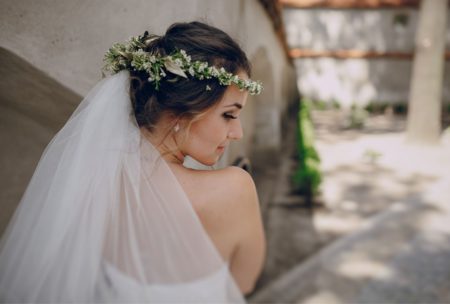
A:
228,116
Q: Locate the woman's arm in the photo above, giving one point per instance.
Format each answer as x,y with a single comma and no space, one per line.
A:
230,213
248,256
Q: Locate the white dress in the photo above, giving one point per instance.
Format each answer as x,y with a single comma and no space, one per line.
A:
209,289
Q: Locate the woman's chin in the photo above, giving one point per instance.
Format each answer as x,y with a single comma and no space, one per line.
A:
209,159
207,162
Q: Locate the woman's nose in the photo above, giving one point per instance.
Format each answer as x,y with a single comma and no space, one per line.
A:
236,131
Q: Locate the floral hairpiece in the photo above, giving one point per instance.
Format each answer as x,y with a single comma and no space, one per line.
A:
131,56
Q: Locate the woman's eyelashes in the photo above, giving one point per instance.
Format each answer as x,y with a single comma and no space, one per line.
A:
228,116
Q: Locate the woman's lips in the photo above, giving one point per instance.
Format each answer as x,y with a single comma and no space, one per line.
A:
221,149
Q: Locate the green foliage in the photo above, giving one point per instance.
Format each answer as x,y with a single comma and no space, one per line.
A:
335,105
316,104
307,177
400,108
379,107
321,105
376,107
357,117
401,19
132,56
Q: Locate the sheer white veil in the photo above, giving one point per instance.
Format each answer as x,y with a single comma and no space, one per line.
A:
104,219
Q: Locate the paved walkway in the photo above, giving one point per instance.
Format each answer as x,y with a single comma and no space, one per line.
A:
389,216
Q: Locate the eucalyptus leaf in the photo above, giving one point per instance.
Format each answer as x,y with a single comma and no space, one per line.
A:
172,67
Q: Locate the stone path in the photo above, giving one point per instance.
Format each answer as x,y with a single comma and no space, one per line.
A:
384,234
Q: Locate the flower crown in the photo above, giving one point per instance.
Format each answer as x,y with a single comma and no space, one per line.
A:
131,56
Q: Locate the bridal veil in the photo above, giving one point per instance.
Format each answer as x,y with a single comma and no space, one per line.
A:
104,219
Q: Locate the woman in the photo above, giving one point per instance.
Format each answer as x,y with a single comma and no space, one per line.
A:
112,215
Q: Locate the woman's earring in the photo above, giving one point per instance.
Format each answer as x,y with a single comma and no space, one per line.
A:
176,128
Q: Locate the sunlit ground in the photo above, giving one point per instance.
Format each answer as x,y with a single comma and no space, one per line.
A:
382,234
367,170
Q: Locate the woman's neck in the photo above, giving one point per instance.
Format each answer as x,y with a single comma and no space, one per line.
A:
163,139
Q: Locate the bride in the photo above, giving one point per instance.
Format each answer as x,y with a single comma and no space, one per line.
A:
112,215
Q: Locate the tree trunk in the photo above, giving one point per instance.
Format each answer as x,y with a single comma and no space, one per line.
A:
425,101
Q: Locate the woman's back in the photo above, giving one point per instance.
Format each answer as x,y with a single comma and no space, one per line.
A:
227,204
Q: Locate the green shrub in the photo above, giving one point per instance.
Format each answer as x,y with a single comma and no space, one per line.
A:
321,105
380,107
357,117
335,105
400,108
307,177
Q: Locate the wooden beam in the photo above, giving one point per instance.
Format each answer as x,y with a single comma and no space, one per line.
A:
346,4
351,54
273,8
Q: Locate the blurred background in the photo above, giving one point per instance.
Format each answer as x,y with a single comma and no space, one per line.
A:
349,144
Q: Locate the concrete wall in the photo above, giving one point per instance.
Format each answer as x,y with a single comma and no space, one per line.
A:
66,40
33,107
357,81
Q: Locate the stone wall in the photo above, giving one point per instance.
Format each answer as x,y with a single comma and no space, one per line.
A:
358,81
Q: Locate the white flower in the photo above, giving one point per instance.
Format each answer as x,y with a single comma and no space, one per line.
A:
132,56
202,67
178,62
214,71
186,57
146,66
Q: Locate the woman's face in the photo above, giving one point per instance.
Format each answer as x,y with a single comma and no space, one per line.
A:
212,132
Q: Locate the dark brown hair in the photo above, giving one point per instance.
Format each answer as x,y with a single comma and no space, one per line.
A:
185,97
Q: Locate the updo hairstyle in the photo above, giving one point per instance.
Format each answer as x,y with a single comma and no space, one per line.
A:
185,97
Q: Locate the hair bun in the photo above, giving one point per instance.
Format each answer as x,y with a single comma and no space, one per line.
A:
150,39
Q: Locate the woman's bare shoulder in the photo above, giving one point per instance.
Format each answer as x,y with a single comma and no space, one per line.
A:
215,187
229,185
232,174
221,195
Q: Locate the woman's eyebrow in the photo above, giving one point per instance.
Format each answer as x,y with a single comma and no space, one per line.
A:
237,105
